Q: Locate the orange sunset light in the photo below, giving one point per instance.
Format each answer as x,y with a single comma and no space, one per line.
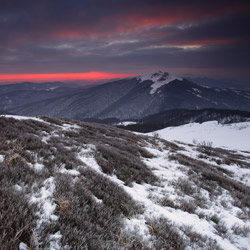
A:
92,76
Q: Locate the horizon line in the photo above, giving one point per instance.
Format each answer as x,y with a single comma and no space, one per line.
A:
37,77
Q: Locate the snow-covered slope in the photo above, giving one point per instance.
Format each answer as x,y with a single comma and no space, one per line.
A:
88,186
159,79
234,135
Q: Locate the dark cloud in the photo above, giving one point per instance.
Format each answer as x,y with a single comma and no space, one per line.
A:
123,36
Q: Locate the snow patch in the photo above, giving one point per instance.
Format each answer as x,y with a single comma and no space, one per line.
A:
97,199
49,89
55,241
67,126
44,199
138,226
86,155
18,187
23,246
126,123
196,90
234,135
240,174
21,118
37,166
2,158
159,79
46,208
72,172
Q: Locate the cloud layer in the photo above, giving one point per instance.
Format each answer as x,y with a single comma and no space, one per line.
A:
136,37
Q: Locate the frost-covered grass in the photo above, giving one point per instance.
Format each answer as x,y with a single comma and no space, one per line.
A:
192,201
73,185
52,166
204,214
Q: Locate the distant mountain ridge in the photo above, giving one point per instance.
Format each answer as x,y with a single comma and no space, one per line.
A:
130,98
20,94
220,83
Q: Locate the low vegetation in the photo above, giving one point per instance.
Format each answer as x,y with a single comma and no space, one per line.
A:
74,185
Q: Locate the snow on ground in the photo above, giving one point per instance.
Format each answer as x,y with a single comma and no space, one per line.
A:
234,136
126,123
67,126
72,172
2,158
20,118
37,166
86,156
150,196
239,173
23,246
47,206
169,173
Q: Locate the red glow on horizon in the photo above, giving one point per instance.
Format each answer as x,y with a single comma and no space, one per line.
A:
91,76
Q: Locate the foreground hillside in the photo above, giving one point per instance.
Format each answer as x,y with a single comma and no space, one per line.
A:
72,185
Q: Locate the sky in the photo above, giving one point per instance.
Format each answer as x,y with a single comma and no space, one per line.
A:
103,39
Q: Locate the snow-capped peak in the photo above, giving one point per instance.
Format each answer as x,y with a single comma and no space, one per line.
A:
159,79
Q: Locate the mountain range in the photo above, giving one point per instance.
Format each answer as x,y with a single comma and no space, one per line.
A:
220,83
130,98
